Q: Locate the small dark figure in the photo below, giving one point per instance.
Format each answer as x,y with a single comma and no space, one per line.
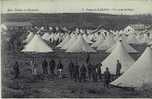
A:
94,74
35,71
45,67
16,70
60,69
83,71
107,76
76,72
118,68
98,68
89,67
71,69
88,58
52,65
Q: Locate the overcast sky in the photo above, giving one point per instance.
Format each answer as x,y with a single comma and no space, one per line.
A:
76,6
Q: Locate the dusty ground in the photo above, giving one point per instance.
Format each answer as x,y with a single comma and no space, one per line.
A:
50,86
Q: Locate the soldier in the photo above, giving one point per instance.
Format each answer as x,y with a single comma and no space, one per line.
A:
98,68
16,70
34,72
83,71
107,76
118,68
88,58
76,72
45,67
52,65
71,69
94,74
60,69
89,68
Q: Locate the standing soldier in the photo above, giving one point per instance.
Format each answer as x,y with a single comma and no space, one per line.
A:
98,68
35,73
107,76
45,67
118,68
16,70
52,65
71,69
60,69
88,58
89,67
94,74
32,66
76,72
83,71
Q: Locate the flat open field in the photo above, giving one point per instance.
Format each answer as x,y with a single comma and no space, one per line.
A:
51,86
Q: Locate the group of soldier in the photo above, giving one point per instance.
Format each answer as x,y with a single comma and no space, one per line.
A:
49,67
79,73
83,73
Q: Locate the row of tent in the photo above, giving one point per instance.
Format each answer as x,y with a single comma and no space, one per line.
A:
102,42
134,37
135,74
94,36
79,44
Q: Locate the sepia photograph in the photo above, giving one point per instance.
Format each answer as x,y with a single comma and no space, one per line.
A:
76,48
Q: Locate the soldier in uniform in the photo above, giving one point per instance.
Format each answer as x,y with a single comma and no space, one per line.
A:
83,71
107,76
118,68
76,72
71,69
45,67
16,70
52,65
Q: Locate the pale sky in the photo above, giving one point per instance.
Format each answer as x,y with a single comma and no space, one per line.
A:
76,6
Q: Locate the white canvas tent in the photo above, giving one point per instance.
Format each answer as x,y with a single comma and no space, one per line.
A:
3,28
46,36
145,39
98,42
29,37
37,45
119,53
128,48
67,38
139,73
107,43
132,39
129,30
80,45
86,38
69,43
